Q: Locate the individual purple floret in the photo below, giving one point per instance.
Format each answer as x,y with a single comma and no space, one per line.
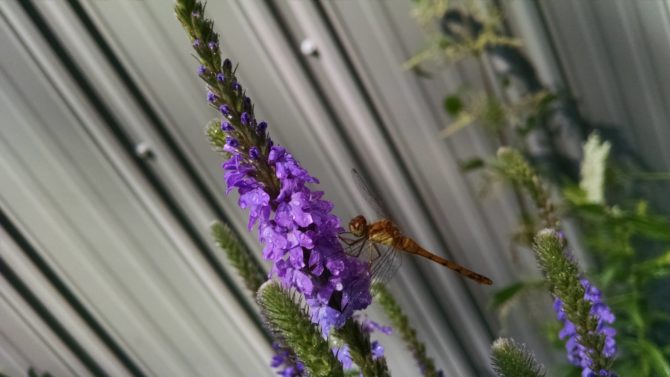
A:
226,126
377,350
212,97
369,326
245,118
577,354
285,361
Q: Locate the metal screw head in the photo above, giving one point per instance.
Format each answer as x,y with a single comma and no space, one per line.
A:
308,47
144,151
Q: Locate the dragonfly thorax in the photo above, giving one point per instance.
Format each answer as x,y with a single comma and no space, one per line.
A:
358,226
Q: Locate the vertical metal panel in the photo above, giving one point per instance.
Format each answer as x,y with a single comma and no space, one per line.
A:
613,53
73,189
106,235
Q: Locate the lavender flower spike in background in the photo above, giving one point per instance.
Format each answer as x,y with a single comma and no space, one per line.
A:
578,355
295,225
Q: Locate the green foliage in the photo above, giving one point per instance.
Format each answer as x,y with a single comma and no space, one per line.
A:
508,296
453,105
401,324
455,48
239,256
513,166
290,322
512,360
359,349
628,275
471,164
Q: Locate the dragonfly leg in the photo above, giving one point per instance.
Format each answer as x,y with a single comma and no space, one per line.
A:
377,253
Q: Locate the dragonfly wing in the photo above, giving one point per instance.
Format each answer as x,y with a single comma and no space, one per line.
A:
373,200
387,262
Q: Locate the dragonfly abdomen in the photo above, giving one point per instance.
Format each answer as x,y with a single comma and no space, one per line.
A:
409,245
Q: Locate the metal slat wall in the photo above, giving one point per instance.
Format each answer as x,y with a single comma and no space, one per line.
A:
615,55
127,234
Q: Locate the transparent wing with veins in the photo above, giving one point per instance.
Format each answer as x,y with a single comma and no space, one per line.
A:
384,259
371,198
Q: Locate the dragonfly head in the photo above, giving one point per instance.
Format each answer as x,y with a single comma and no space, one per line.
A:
358,226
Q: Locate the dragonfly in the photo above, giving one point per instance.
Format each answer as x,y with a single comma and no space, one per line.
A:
381,243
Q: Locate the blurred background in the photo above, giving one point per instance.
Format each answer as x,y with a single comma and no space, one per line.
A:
108,185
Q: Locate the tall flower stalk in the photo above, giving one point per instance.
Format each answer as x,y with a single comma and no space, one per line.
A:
590,342
295,223
296,226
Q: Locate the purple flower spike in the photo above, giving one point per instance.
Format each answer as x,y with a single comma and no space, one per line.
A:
213,45
226,126
295,224
578,355
211,97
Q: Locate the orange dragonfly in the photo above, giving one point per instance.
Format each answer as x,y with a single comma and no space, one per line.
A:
381,243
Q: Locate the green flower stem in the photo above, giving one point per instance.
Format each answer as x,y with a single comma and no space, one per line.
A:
239,256
512,360
292,324
563,274
360,350
515,167
400,323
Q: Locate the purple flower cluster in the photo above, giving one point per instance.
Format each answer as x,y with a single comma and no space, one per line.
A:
298,230
578,355
286,362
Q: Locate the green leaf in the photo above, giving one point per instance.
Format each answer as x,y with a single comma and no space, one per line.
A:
453,105
471,164
507,295
654,268
659,362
